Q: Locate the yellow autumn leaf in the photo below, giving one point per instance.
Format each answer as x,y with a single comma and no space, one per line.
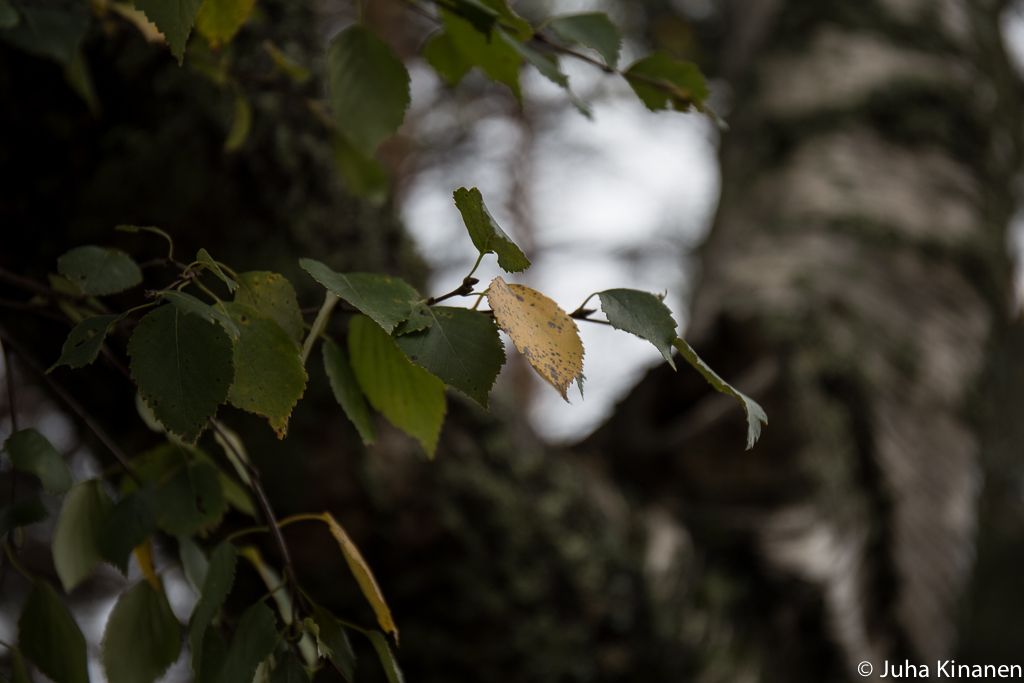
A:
144,556
364,577
542,332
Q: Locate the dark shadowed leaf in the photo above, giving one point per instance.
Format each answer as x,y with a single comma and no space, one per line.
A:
76,538
461,347
220,575
50,638
174,18
22,513
190,501
442,53
332,642
368,87
590,29
219,20
386,657
85,341
183,367
32,452
662,82
253,642
217,314
142,637
131,521
346,390
98,271
496,58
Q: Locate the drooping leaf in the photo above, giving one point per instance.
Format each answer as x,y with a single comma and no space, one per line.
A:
174,18
364,576
32,452
50,638
754,412
219,20
99,271
76,538
346,390
21,513
444,56
547,65
487,235
272,295
368,87
387,300
332,642
217,314
461,347
542,332
130,522
642,314
254,641
363,175
495,57
662,82
269,374
84,342
220,575
183,367
142,637
386,657
241,123
203,257
190,501
410,398
590,29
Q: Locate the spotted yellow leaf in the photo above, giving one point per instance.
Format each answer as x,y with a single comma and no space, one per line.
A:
542,332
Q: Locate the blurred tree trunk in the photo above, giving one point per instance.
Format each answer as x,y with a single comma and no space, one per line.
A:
855,281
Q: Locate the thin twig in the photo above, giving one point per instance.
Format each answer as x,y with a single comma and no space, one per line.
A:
74,405
268,515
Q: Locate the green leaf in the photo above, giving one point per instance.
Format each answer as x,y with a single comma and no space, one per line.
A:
219,20
182,365
191,501
254,641
409,397
217,314
462,347
241,124
269,375
495,57
590,29
131,521
203,257
346,390
32,452
662,82
174,18
420,318
99,271
509,20
547,65
332,642
387,300
289,670
444,56
76,538
193,563
84,342
8,15
368,87
362,174
19,669
487,235
272,295
642,314
479,15
386,657
50,638
220,575
754,412
142,638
